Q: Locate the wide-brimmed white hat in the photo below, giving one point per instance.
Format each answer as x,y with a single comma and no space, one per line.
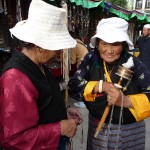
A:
45,27
147,26
112,30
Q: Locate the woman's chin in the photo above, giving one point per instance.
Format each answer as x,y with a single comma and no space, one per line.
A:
109,60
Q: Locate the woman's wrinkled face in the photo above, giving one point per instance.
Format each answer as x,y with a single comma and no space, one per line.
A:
110,52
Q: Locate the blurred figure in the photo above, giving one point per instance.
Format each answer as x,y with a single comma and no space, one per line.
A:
143,43
77,54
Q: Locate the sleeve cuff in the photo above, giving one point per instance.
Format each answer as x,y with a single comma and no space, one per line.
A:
141,106
88,91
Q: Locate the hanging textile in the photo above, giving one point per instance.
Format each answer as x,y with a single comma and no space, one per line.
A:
1,8
18,11
78,21
4,27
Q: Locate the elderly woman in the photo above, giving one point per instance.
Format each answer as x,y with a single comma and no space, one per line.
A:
32,109
100,85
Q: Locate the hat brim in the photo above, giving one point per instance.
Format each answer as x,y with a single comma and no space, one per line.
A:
47,40
112,37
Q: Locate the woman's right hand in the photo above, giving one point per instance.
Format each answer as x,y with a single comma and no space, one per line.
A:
106,86
68,127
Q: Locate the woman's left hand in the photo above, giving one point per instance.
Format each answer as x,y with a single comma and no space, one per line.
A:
73,113
115,97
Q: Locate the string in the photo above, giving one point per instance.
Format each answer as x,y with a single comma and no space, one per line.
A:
120,118
106,73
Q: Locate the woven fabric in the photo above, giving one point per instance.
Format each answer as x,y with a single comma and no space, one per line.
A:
131,137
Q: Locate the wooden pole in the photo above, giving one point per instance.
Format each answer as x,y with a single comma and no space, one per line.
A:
100,125
106,111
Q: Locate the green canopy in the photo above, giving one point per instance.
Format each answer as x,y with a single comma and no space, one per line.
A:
88,4
119,11
128,15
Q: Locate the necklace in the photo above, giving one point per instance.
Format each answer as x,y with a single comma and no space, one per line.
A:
42,69
110,68
108,71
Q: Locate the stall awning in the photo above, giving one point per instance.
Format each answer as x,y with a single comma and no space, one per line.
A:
118,11
88,4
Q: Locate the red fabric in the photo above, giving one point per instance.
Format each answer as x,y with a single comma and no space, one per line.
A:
19,116
56,72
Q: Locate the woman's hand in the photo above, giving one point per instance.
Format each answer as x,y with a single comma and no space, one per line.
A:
73,113
115,97
106,86
68,127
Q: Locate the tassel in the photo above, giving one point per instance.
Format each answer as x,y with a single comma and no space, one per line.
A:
65,60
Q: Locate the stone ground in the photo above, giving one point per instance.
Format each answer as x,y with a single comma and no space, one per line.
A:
79,141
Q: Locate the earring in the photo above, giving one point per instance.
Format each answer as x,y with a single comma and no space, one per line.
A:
39,49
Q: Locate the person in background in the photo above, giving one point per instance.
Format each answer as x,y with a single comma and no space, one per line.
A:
76,56
94,83
32,109
143,43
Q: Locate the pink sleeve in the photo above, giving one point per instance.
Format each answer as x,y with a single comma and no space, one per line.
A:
19,115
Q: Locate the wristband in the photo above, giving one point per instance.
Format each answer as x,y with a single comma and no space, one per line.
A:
100,89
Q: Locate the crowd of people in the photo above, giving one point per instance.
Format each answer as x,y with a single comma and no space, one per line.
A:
33,113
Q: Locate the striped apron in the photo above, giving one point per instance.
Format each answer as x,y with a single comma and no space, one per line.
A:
131,136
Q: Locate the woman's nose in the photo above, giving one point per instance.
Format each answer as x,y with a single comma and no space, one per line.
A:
110,49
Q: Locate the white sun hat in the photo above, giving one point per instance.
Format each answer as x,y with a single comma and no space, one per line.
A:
112,30
147,26
45,27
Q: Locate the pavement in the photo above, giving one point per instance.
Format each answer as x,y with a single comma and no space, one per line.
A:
80,139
